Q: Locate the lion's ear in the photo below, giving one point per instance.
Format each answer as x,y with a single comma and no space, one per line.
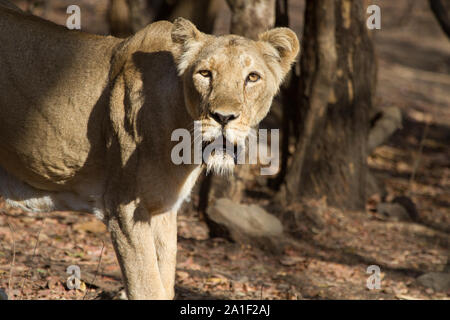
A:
286,45
187,41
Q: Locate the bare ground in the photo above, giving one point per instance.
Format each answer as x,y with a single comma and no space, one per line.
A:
326,252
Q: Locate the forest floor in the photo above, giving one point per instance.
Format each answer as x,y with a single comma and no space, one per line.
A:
324,257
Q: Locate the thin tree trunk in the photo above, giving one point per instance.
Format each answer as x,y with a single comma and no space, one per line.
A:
119,19
140,13
251,17
336,89
202,13
441,10
289,101
126,17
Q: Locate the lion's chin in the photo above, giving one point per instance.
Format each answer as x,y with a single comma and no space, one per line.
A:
220,163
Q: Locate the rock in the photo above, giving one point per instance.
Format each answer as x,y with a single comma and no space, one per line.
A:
384,125
3,295
409,205
438,281
393,211
245,224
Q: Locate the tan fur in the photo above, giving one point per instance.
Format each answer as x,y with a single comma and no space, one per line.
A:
86,121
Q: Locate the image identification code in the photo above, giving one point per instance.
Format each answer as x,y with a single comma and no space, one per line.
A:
227,309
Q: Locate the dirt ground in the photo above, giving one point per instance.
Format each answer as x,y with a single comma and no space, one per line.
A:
326,252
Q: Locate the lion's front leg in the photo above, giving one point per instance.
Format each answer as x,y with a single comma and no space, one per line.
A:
164,230
134,242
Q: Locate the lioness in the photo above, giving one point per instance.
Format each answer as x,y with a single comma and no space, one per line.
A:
86,123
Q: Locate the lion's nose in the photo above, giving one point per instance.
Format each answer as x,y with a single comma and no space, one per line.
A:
223,118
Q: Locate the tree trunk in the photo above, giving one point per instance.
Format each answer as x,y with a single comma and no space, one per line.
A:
202,13
338,72
289,102
126,17
441,10
119,19
251,17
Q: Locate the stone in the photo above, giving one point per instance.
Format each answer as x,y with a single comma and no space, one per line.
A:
249,224
438,281
393,211
3,295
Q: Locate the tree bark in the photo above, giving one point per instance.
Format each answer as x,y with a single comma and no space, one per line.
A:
338,72
251,17
126,17
119,19
289,101
202,13
441,10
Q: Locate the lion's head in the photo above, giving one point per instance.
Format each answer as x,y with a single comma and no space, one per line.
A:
230,81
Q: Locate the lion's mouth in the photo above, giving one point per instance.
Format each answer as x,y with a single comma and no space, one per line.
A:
220,147
220,155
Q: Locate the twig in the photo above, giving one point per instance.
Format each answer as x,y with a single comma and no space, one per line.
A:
96,272
32,260
261,293
417,162
11,270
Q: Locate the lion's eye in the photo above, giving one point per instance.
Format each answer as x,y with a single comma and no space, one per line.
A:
205,73
253,77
